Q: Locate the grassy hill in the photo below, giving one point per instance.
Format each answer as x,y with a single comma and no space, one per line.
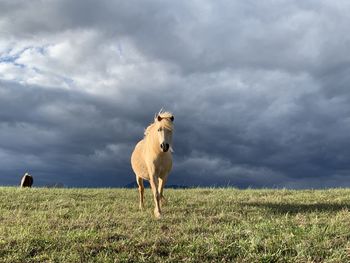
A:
198,225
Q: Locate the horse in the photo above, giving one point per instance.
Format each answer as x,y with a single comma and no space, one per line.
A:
152,158
27,180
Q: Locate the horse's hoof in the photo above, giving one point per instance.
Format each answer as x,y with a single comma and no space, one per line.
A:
157,214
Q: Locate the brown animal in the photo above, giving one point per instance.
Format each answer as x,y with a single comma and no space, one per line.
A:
27,180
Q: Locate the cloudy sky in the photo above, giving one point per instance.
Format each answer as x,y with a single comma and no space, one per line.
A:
260,90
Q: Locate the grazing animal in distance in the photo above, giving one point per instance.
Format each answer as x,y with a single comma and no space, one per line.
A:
152,159
27,180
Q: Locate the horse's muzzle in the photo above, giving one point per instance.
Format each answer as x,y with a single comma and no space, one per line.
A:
164,146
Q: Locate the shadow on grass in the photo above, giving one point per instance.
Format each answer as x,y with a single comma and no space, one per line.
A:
294,208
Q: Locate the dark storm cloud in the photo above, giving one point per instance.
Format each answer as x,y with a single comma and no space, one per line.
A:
198,37
259,90
69,134
272,141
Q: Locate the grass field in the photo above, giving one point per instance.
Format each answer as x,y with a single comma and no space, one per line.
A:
198,225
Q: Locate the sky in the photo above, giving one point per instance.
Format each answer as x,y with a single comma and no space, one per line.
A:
260,90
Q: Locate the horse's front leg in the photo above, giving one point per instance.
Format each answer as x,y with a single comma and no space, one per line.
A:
154,186
161,185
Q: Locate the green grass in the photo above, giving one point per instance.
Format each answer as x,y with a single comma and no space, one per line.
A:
198,225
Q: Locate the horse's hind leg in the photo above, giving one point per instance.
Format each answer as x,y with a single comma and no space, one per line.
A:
139,181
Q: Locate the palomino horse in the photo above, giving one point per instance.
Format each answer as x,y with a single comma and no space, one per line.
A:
152,160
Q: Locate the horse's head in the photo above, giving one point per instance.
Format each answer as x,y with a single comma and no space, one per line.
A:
164,126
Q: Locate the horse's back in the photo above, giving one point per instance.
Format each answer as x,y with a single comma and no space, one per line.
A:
138,163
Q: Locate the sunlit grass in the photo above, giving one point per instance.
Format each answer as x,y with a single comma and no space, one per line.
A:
198,225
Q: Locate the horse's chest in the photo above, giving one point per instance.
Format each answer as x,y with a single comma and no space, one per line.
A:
162,163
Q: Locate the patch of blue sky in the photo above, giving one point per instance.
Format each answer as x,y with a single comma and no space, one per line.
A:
41,50
11,60
8,59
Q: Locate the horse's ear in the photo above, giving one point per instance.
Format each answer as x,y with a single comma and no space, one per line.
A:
159,118
172,118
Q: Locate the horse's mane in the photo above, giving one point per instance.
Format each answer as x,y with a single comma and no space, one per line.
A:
168,124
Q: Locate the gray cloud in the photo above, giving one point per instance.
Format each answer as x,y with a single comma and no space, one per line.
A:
259,90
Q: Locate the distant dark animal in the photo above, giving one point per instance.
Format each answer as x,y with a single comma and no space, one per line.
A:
27,180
